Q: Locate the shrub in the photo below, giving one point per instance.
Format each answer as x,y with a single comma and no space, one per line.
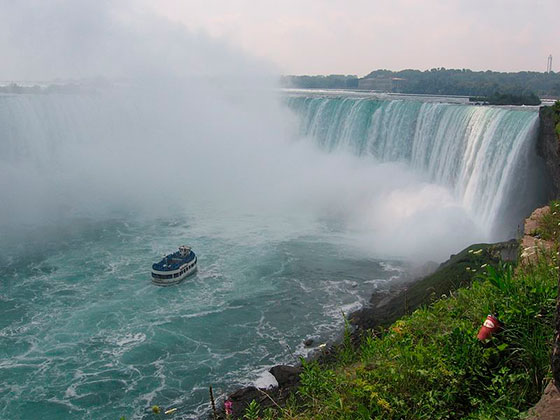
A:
429,365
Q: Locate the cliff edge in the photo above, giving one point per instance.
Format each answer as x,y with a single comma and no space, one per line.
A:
548,407
548,144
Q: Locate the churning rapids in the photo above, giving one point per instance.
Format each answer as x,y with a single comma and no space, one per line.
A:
288,234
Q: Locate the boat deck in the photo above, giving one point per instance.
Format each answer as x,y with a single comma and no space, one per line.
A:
173,261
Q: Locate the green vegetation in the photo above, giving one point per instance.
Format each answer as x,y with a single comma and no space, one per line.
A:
441,81
553,112
509,99
430,365
252,412
457,272
473,83
549,224
332,81
556,111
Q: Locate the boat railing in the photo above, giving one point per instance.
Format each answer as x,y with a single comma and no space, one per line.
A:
165,266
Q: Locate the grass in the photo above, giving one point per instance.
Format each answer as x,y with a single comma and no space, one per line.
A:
549,224
556,109
457,272
554,112
429,365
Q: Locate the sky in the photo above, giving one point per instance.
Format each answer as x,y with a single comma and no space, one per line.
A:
357,36
49,39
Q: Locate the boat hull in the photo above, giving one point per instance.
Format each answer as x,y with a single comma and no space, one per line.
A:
170,277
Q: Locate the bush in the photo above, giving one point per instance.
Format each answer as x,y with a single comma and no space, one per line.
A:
556,110
430,365
549,224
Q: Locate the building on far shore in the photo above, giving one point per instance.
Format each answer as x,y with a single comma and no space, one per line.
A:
381,83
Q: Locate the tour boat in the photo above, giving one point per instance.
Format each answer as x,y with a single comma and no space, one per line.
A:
173,268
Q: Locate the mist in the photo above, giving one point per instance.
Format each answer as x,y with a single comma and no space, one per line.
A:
165,123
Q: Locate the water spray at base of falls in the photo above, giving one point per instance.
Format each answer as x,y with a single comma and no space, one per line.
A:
485,155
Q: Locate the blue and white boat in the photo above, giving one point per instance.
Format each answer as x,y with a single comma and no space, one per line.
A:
173,268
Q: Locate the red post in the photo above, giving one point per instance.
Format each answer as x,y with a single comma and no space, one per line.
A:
491,325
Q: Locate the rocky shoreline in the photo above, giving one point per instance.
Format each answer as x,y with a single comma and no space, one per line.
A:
384,308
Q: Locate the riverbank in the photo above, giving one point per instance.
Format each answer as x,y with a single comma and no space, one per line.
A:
457,273
429,363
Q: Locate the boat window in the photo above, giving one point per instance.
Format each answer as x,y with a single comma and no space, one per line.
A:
162,276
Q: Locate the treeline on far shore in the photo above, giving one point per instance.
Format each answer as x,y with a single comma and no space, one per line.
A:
499,98
521,88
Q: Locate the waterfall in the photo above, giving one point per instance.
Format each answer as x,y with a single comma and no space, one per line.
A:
484,155
79,152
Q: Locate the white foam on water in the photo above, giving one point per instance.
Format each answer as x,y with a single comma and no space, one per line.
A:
265,380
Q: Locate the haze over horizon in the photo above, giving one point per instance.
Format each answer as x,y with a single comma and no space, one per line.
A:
335,37
309,37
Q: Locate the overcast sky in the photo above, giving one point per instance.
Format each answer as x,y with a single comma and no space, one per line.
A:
46,39
357,36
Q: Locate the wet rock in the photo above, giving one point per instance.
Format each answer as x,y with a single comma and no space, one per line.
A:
242,398
308,342
286,376
386,306
548,147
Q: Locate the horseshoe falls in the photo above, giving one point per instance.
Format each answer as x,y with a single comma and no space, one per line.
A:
484,155
297,212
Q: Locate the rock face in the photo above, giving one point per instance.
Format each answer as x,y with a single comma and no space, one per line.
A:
308,342
548,147
242,398
286,376
556,348
288,380
548,407
387,306
531,243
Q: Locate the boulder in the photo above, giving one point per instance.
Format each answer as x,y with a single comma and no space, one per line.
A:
286,376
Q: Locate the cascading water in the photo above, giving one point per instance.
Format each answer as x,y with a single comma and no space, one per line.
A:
96,186
485,155
192,147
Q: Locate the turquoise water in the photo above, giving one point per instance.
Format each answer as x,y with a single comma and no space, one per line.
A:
288,235
84,334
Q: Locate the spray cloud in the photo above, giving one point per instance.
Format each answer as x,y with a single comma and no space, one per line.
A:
188,124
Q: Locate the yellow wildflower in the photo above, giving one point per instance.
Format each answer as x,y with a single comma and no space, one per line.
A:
384,404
